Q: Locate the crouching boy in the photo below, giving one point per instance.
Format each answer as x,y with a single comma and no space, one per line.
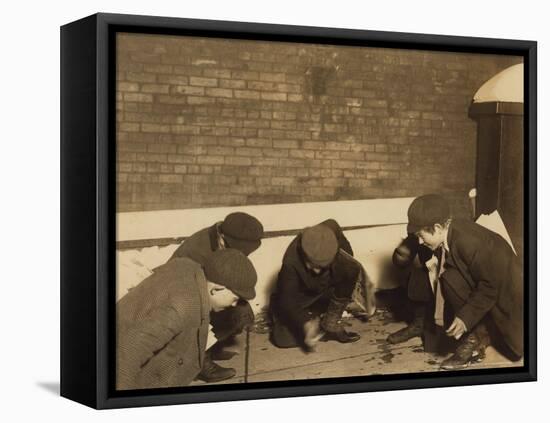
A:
317,278
163,323
478,289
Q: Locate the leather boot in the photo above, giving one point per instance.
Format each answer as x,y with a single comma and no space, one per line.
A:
218,353
413,329
212,372
470,350
332,324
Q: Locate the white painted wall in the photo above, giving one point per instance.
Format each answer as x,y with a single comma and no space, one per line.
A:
372,246
274,217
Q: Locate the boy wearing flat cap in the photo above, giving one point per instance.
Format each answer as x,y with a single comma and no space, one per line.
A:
317,278
479,289
163,323
242,232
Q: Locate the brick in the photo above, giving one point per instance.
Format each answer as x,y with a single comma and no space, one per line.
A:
343,164
247,94
127,86
283,125
232,83
200,100
219,92
302,154
212,160
258,142
155,88
185,129
250,152
128,127
338,146
140,77
156,68
285,144
282,181
203,82
153,127
238,161
217,73
245,75
173,79
273,96
262,86
138,98
272,77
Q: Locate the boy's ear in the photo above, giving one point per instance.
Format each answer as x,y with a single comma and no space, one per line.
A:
213,288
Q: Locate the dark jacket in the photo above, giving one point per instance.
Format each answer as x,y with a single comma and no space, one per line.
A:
298,287
493,280
200,245
162,328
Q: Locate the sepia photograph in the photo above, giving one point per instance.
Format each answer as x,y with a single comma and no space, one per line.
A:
291,210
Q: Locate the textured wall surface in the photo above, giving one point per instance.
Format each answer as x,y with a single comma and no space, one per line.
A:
215,122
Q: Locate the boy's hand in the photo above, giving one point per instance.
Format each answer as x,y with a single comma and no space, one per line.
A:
457,329
312,332
405,253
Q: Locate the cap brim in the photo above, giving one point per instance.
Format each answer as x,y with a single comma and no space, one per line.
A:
412,228
247,294
244,246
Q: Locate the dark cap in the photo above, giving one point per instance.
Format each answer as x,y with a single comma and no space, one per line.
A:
242,232
319,244
232,269
426,211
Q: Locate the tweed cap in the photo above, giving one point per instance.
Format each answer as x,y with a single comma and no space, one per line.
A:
232,269
242,232
319,244
427,210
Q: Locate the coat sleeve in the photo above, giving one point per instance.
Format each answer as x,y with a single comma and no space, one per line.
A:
290,296
487,266
139,343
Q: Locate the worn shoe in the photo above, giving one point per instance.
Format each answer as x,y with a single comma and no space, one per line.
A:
468,351
332,323
223,355
212,372
341,336
413,330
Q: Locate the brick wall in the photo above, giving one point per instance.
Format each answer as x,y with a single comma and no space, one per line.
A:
211,122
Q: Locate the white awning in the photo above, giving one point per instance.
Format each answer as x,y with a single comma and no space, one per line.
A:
505,86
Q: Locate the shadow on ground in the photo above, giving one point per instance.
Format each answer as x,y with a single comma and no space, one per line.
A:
371,355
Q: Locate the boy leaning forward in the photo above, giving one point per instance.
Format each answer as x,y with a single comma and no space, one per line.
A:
478,294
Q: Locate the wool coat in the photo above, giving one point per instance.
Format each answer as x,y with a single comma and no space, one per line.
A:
162,328
298,288
490,280
199,247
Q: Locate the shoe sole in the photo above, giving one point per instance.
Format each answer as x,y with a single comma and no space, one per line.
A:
478,358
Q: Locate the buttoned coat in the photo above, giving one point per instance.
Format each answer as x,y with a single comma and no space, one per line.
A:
298,287
491,280
162,328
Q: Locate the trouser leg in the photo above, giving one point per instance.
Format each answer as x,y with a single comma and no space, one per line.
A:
231,321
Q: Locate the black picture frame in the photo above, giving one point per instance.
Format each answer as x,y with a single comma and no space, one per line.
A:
88,209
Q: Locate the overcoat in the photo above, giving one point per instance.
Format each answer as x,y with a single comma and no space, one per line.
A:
199,247
298,288
491,280
162,328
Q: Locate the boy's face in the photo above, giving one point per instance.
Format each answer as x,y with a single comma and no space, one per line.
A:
314,268
432,240
221,297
